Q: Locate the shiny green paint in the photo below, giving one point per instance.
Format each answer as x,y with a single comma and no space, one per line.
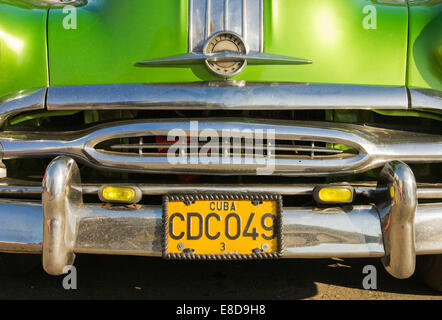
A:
425,52
331,33
112,35
23,54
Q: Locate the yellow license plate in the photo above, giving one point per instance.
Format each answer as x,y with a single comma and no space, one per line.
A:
222,226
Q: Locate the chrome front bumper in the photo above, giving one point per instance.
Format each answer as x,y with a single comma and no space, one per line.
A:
61,225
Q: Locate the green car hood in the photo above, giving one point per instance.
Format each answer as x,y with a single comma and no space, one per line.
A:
23,50
349,42
425,49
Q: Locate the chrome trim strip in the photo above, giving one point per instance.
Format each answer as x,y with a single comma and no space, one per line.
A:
226,15
429,192
228,95
244,21
208,23
270,59
426,99
261,27
282,189
376,146
243,17
24,100
18,190
190,21
14,189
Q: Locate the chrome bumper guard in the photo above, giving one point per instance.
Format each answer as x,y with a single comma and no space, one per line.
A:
395,228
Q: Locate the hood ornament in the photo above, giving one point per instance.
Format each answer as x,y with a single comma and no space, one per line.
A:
225,54
225,36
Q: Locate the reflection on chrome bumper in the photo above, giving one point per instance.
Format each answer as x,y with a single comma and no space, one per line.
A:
70,227
307,232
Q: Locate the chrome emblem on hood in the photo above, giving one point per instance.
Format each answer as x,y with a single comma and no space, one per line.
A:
225,66
225,36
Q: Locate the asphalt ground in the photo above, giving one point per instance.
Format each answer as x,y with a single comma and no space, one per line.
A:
122,277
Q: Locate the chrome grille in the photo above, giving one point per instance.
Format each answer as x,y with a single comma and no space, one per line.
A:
147,146
299,148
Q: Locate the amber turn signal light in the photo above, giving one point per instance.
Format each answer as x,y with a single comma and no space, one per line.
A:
117,194
333,194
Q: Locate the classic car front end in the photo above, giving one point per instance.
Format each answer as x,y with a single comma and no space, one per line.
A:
222,129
